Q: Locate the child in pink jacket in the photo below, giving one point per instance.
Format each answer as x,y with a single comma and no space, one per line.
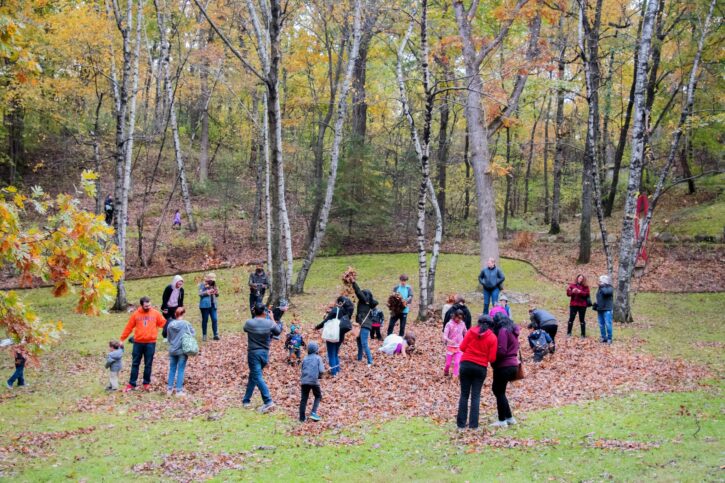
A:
453,335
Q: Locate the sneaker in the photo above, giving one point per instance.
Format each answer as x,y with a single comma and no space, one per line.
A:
8,386
315,417
302,420
247,405
169,392
180,394
460,429
511,421
216,337
129,388
446,373
267,407
203,338
147,387
499,424
370,365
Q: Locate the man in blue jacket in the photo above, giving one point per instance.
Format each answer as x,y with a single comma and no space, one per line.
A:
491,277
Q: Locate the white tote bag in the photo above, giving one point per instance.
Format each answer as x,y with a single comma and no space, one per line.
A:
331,330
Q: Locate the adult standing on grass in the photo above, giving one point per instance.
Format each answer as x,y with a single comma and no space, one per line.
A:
541,319
177,328
258,283
145,323
208,294
505,367
479,349
579,294
259,331
491,278
604,307
406,292
365,304
172,299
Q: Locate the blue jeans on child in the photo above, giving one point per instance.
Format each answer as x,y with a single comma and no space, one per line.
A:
257,360
205,315
605,325
489,297
333,358
18,375
363,345
177,364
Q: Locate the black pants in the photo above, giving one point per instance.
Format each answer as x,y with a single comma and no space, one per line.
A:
501,377
403,318
472,376
146,351
306,388
375,333
551,330
169,315
255,299
572,314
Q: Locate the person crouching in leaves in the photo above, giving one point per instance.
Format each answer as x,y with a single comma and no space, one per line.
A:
114,362
540,342
312,370
294,344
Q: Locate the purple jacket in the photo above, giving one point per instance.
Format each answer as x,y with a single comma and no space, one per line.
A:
508,348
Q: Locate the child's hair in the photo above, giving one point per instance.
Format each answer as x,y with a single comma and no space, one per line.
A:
451,299
114,344
409,338
179,312
403,277
458,314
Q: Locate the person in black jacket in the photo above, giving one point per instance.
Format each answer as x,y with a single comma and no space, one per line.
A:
604,306
172,299
342,310
365,304
108,209
541,319
459,304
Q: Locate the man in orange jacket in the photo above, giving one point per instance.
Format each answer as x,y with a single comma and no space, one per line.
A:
145,323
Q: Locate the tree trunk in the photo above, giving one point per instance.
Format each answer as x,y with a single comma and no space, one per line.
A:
467,193
509,177
15,125
530,158
95,136
559,135
256,162
204,122
442,156
546,162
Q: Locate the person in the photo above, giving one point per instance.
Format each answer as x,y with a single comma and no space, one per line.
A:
259,329
641,214
453,335
172,299
459,304
579,294
491,278
540,342
19,374
544,320
505,367
294,344
177,328
501,308
279,311
450,300
145,323
395,344
377,318
405,291
114,363
208,295
342,311
604,307
312,370
108,209
258,283
365,304
479,349
177,221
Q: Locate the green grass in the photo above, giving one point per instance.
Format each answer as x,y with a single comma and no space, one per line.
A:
686,326
696,218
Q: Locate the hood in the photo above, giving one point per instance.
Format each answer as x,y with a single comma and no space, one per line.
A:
312,348
177,278
516,330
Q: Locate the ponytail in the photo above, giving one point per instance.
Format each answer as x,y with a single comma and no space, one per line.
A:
485,322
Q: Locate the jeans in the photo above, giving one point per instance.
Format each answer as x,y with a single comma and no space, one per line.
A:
146,351
501,377
489,297
18,375
306,388
255,299
257,360
362,345
333,356
177,364
605,325
403,318
455,358
573,311
472,377
205,314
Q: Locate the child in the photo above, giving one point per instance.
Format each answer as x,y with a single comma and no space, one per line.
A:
312,369
114,362
18,375
453,336
395,344
293,344
377,317
177,221
541,342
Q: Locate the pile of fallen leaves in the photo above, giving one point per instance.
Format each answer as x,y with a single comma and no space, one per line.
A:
396,304
196,466
35,444
581,369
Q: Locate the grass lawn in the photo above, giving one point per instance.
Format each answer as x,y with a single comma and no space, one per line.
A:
674,436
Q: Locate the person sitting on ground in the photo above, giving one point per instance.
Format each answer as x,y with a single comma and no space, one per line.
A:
395,344
544,320
114,362
459,303
294,344
540,342
312,370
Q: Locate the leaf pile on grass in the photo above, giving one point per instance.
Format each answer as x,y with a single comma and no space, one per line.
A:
475,440
196,466
615,444
35,445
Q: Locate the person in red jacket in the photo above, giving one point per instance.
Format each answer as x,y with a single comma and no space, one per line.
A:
145,323
579,294
479,348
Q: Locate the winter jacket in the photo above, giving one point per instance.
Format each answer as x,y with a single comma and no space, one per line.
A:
19,360
479,350
145,325
498,310
206,300
176,330
259,331
452,310
605,298
454,333
542,318
167,293
365,303
114,361
377,317
258,282
540,340
577,299
345,325
491,278
508,347
312,368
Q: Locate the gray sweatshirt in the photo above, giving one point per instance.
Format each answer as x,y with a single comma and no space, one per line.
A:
312,367
258,332
175,331
115,360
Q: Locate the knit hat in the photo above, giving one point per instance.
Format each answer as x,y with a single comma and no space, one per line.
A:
312,348
604,280
503,297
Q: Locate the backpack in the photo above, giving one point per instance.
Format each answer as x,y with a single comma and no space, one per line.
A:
331,329
189,345
538,339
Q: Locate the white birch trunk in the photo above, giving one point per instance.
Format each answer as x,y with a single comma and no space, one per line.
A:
267,202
